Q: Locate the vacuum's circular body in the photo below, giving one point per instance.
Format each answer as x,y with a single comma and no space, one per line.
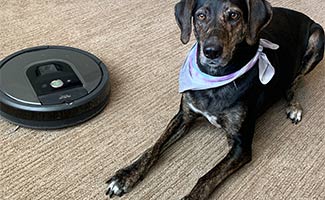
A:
51,87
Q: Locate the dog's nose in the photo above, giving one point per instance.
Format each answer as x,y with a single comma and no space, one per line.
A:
212,52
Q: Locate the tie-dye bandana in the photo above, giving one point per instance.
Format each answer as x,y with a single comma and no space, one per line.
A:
191,78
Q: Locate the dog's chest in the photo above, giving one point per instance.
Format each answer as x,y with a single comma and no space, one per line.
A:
220,107
212,118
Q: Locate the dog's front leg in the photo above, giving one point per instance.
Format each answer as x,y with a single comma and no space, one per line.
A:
239,155
125,179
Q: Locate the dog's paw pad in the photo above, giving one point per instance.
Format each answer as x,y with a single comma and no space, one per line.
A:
294,112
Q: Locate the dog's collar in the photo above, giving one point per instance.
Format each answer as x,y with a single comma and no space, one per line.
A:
192,78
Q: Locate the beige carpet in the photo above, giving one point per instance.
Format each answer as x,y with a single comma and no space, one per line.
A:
139,42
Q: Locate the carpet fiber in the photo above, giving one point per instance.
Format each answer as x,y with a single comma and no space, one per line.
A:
139,43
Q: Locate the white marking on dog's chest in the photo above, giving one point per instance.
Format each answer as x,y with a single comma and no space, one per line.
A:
212,119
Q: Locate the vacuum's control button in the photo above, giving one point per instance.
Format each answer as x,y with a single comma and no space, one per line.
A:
56,83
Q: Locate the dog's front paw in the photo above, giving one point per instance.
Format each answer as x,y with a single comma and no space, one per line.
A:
115,187
121,183
294,112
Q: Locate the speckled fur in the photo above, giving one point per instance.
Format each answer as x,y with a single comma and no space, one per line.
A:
233,107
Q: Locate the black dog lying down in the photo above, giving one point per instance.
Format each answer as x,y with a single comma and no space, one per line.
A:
247,56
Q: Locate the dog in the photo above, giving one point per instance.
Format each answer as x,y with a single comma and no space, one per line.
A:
276,46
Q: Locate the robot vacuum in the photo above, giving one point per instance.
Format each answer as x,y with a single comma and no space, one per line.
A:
51,87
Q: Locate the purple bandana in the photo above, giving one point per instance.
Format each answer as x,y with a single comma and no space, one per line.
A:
191,78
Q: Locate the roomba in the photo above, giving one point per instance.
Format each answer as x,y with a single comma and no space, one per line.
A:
50,87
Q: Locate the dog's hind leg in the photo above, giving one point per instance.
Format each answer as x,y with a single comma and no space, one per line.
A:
294,109
313,55
126,178
315,49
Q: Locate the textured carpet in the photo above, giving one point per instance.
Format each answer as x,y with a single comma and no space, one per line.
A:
139,42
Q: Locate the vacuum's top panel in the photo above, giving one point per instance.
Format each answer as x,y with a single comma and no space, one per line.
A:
32,75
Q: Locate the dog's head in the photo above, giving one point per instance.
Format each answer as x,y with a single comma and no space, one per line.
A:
220,25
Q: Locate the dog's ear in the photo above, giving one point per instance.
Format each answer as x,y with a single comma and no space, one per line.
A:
259,15
183,15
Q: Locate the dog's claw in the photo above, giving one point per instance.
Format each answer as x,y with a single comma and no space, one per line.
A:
109,193
108,181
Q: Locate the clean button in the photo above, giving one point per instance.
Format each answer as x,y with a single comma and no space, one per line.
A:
56,83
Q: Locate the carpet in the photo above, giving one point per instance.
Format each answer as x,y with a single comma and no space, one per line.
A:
139,43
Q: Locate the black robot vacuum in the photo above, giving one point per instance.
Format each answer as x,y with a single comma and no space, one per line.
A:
50,87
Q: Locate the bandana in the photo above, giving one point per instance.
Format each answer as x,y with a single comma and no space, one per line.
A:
191,78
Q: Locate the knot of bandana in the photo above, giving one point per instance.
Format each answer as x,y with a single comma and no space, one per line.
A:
192,78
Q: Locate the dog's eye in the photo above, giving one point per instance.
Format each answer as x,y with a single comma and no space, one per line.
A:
201,16
233,16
